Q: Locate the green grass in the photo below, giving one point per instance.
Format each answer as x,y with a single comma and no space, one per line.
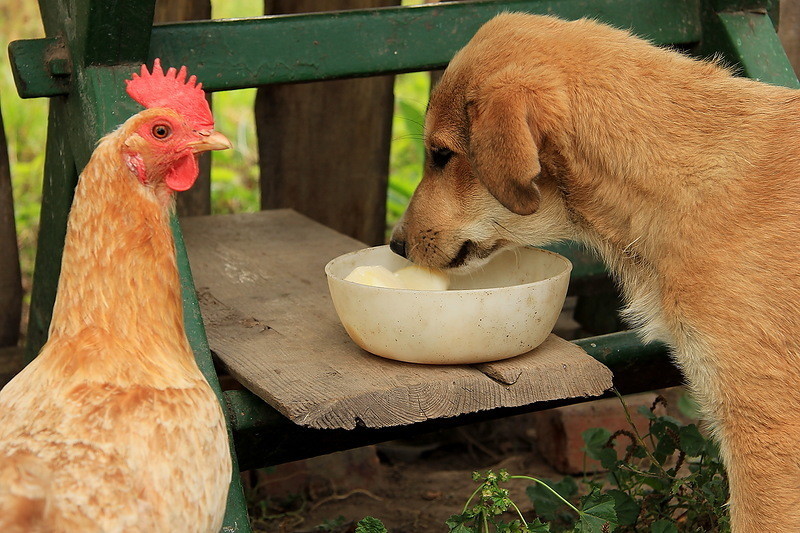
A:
234,176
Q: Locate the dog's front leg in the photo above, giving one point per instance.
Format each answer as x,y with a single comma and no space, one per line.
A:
759,434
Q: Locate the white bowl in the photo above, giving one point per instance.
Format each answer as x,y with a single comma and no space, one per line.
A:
506,308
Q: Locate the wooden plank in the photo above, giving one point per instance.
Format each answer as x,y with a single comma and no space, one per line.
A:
99,32
789,31
252,52
109,33
233,54
60,178
10,275
303,130
269,318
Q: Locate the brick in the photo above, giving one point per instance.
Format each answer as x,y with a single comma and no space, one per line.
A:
559,431
320,476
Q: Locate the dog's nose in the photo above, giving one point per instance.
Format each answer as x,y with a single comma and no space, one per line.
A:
398,247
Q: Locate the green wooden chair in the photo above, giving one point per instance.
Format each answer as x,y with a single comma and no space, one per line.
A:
92,46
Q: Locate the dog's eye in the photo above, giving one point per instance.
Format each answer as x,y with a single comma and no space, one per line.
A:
440,156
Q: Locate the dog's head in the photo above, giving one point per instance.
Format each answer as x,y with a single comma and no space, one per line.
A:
492,171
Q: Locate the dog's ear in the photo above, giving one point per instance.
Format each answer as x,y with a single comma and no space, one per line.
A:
508,114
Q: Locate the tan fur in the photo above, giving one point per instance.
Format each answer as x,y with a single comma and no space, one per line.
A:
113,427
685,178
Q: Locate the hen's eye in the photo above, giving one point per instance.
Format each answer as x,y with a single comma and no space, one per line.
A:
162,131
440,156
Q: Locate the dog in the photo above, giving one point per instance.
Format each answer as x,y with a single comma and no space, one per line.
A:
683,177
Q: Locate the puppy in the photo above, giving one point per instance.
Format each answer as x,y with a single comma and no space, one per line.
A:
685,179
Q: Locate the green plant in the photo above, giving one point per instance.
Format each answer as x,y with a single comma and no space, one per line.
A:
674,473
669,479
595,511
370,525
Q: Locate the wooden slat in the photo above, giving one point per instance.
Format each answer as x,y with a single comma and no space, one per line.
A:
260,51
10,275
269,318
232,54
749,40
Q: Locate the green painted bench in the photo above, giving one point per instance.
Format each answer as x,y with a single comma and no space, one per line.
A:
92,46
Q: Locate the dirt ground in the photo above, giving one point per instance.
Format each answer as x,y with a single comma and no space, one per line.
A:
414,486
411,486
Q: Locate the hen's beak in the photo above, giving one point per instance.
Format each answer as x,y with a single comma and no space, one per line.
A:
210,140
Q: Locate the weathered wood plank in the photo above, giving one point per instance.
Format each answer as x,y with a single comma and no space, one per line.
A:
10,275
269,318
789,31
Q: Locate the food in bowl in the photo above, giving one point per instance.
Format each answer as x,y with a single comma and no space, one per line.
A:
412,277
506,308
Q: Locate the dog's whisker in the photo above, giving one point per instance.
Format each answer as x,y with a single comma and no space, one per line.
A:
408,119
437,251
508,231
441,253
415,136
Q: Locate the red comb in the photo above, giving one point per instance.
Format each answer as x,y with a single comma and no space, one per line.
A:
174,91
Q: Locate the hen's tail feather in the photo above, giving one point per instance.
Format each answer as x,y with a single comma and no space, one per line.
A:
24,480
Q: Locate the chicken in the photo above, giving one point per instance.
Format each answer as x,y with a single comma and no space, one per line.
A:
113,427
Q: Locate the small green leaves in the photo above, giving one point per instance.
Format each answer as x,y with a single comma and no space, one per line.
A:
537,526
493,501
458,523
370,525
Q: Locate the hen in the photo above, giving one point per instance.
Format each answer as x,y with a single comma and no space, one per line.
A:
113,427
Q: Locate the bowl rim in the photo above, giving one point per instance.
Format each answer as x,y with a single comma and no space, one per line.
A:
562,273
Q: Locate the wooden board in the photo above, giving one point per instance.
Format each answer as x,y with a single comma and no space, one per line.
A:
268,314
10,273
304,128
